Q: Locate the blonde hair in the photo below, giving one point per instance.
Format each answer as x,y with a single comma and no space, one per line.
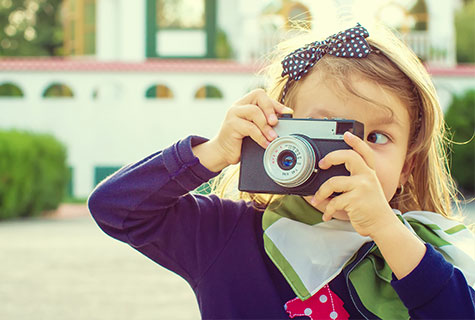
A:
394,67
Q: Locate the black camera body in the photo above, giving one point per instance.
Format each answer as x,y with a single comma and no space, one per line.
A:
289,165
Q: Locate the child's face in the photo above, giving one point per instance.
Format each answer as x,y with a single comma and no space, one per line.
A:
386,134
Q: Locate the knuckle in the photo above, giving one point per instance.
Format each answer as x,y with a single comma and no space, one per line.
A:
258,95
253,110
234,122
258,115
258,91
255,131
329,184
230,111
250,127
268,129
267,109
258,137
365,183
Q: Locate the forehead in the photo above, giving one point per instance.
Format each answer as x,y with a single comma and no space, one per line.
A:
319,96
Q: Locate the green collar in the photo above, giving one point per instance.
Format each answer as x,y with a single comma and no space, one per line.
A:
310,253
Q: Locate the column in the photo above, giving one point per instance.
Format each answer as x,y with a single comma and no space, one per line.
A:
107,32
131,30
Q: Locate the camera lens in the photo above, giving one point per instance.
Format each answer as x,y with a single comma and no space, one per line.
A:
286,160
290,160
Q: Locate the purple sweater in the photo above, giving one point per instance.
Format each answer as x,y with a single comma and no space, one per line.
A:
216,245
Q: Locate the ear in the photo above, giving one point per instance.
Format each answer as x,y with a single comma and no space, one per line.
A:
406,170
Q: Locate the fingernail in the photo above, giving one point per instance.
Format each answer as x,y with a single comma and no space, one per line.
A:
272,134
288,110
320,163
272,118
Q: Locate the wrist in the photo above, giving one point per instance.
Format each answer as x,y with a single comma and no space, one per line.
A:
400,247
209,155
387,227
389,231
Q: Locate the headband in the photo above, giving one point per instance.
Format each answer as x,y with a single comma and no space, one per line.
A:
350,43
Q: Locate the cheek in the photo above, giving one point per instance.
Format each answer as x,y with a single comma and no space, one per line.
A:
388,174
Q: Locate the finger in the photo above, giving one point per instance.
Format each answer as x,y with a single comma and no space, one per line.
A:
269,106
246,128
361,147
334,205
254,113
352,160
335,184
249,97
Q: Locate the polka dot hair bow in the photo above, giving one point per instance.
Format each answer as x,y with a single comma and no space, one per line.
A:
350,43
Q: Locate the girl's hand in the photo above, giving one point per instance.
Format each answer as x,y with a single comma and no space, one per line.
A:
253,115
362,196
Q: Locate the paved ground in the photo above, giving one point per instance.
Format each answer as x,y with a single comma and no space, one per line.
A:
65,267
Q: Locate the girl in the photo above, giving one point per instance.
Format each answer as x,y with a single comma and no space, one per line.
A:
319,257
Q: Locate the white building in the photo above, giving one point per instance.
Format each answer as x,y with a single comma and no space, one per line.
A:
150,84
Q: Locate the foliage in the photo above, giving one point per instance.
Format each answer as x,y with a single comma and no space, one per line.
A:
30,28
74,200
419,9
58,90
33,173
223,47
460,118
10,90
208,92
465,33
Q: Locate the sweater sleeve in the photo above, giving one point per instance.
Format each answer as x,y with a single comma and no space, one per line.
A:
435,289
148,206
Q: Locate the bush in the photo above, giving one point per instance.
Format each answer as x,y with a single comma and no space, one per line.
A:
465,33
460,118
33,173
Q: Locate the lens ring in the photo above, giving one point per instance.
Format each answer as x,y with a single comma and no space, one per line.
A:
303,166
287,160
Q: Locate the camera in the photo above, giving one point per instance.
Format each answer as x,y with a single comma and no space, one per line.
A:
289,165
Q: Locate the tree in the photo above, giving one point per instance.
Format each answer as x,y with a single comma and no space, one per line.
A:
460,119
465,33
30,28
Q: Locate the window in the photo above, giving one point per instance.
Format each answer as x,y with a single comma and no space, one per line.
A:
102,172
79,27
181,28
57,90
159,91
10,90
208,92
180,14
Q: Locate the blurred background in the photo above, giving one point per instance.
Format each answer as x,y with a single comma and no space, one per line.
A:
87,86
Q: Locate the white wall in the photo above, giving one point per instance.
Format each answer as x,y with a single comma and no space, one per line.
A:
121,125
112,131
120,30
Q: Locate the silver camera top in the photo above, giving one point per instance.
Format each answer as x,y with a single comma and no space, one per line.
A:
313,128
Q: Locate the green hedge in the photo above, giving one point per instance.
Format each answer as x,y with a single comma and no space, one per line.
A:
460,118
33,173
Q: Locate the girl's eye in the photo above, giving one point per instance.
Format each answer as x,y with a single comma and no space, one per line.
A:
378,138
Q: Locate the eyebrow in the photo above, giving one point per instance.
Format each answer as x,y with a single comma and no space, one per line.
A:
389,119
